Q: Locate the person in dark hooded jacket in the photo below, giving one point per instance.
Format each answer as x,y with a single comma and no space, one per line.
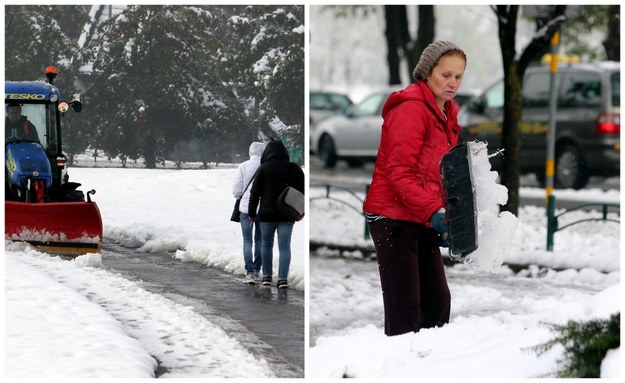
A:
405,204
276,171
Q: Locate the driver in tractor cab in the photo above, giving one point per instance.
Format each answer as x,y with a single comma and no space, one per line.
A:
17,127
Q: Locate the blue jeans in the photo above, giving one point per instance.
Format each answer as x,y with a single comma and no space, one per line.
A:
248,228
284,229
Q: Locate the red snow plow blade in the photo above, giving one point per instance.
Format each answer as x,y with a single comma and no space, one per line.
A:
70,228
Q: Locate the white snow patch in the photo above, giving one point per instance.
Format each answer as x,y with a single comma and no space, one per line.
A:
494,228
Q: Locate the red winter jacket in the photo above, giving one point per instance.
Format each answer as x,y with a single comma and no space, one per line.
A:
406,182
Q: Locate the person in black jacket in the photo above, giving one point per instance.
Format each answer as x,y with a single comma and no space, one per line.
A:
17,127
276,171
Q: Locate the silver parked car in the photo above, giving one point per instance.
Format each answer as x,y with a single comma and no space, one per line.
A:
355,135
323,105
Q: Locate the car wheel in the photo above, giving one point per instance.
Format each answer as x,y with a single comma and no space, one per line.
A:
540,177
570,172
355,163
327,153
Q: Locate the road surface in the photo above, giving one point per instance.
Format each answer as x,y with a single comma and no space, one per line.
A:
267,321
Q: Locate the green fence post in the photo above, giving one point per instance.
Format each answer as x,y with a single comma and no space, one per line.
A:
551,221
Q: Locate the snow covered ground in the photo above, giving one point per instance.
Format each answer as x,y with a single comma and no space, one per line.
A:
495,322
75,319
64,318
497,316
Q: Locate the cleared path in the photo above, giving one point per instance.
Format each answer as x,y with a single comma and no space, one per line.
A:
267,321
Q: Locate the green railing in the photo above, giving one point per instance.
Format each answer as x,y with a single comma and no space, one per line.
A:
552,218
357,209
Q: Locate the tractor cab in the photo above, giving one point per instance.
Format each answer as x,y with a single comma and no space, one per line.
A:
33,148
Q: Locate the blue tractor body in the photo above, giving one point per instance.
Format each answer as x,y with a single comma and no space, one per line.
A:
27,161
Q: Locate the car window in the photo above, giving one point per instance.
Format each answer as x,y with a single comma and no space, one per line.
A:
580,89
536,89
370,106
318,101
340,101
494,97
328,101
615,79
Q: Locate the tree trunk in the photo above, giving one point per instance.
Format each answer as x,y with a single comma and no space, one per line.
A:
612,43
392,15
511,137
511,134
149,152
425,35
400,43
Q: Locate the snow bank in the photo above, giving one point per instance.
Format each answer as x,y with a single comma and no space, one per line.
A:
61,334
69,319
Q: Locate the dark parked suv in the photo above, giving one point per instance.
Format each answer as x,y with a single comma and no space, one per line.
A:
588,122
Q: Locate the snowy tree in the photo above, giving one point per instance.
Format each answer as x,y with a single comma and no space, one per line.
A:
156,82
266,63
37,36
167,80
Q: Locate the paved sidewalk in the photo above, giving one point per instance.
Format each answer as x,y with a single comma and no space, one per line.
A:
267,321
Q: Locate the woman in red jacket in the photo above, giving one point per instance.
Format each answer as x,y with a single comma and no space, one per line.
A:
405,204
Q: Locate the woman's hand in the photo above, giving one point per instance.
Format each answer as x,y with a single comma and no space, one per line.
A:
439,223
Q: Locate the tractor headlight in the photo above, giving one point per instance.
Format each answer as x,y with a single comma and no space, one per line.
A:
63,106
54,97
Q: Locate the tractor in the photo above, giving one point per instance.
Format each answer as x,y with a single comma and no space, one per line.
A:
41,206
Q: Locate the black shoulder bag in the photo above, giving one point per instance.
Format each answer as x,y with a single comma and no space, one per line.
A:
235,217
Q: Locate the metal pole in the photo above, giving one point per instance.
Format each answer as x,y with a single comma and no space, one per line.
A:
551,133
551,138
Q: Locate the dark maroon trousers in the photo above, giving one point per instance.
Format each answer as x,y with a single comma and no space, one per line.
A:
414,286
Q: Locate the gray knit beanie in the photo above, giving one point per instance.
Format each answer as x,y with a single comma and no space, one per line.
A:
429,58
